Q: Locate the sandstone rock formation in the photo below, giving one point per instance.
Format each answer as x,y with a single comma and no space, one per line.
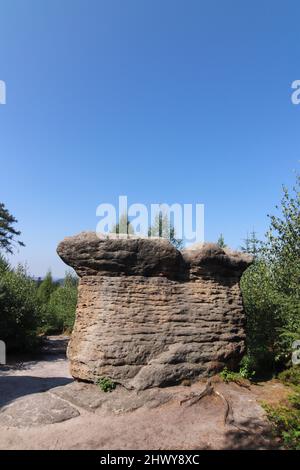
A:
149,315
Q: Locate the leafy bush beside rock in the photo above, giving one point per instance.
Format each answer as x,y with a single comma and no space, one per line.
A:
271,289
29,309
20,310
59,311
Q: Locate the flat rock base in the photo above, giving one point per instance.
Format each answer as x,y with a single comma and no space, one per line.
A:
36,410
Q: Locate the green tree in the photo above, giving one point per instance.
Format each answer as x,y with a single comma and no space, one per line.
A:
45,289
163,228
123,226
60,314
8,234
271,286
20,312
4,264
282,249
252,244
282,252
221,243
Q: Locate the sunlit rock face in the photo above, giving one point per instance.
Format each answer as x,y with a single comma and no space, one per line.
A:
149,315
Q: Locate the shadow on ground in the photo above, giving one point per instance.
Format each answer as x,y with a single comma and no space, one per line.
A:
50,349
12,388
35,373
252,437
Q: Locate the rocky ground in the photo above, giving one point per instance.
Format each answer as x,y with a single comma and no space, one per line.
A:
43,408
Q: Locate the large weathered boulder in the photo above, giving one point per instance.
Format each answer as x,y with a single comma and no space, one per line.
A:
149,315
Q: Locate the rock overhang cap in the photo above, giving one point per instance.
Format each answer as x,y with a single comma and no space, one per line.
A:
91,254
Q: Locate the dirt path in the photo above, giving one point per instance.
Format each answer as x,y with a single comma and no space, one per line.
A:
43,408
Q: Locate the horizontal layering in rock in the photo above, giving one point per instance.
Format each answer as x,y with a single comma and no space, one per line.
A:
149,315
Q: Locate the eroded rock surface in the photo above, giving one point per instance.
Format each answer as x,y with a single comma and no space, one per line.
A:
36,410
149,315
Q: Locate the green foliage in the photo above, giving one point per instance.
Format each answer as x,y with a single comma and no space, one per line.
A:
271,287
247,370
286,424
252,245
163,228
228,375
221,242
4,265
106,384
46,288
123,226
244,372
59,311
8,233
27,307
263,319
286,419
20,311
290,376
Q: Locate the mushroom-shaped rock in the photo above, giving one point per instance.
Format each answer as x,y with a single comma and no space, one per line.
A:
149,315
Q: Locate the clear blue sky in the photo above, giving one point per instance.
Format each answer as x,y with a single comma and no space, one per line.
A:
162,100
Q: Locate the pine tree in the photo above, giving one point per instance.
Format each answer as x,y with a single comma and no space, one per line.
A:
252,244
8,233
46,288
221,243
123,226
163,228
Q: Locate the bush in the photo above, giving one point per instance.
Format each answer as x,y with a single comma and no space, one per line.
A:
271,288
263,317
46,288
20,311
106,384
286,423
243,373
247,370
286,419
290,376
59,312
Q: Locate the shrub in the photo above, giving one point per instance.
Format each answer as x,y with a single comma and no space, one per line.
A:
271,288
228,375
262,315
244,372
290,376
286,418
247,368
20,311
46,288
286,421
59,312
106,384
